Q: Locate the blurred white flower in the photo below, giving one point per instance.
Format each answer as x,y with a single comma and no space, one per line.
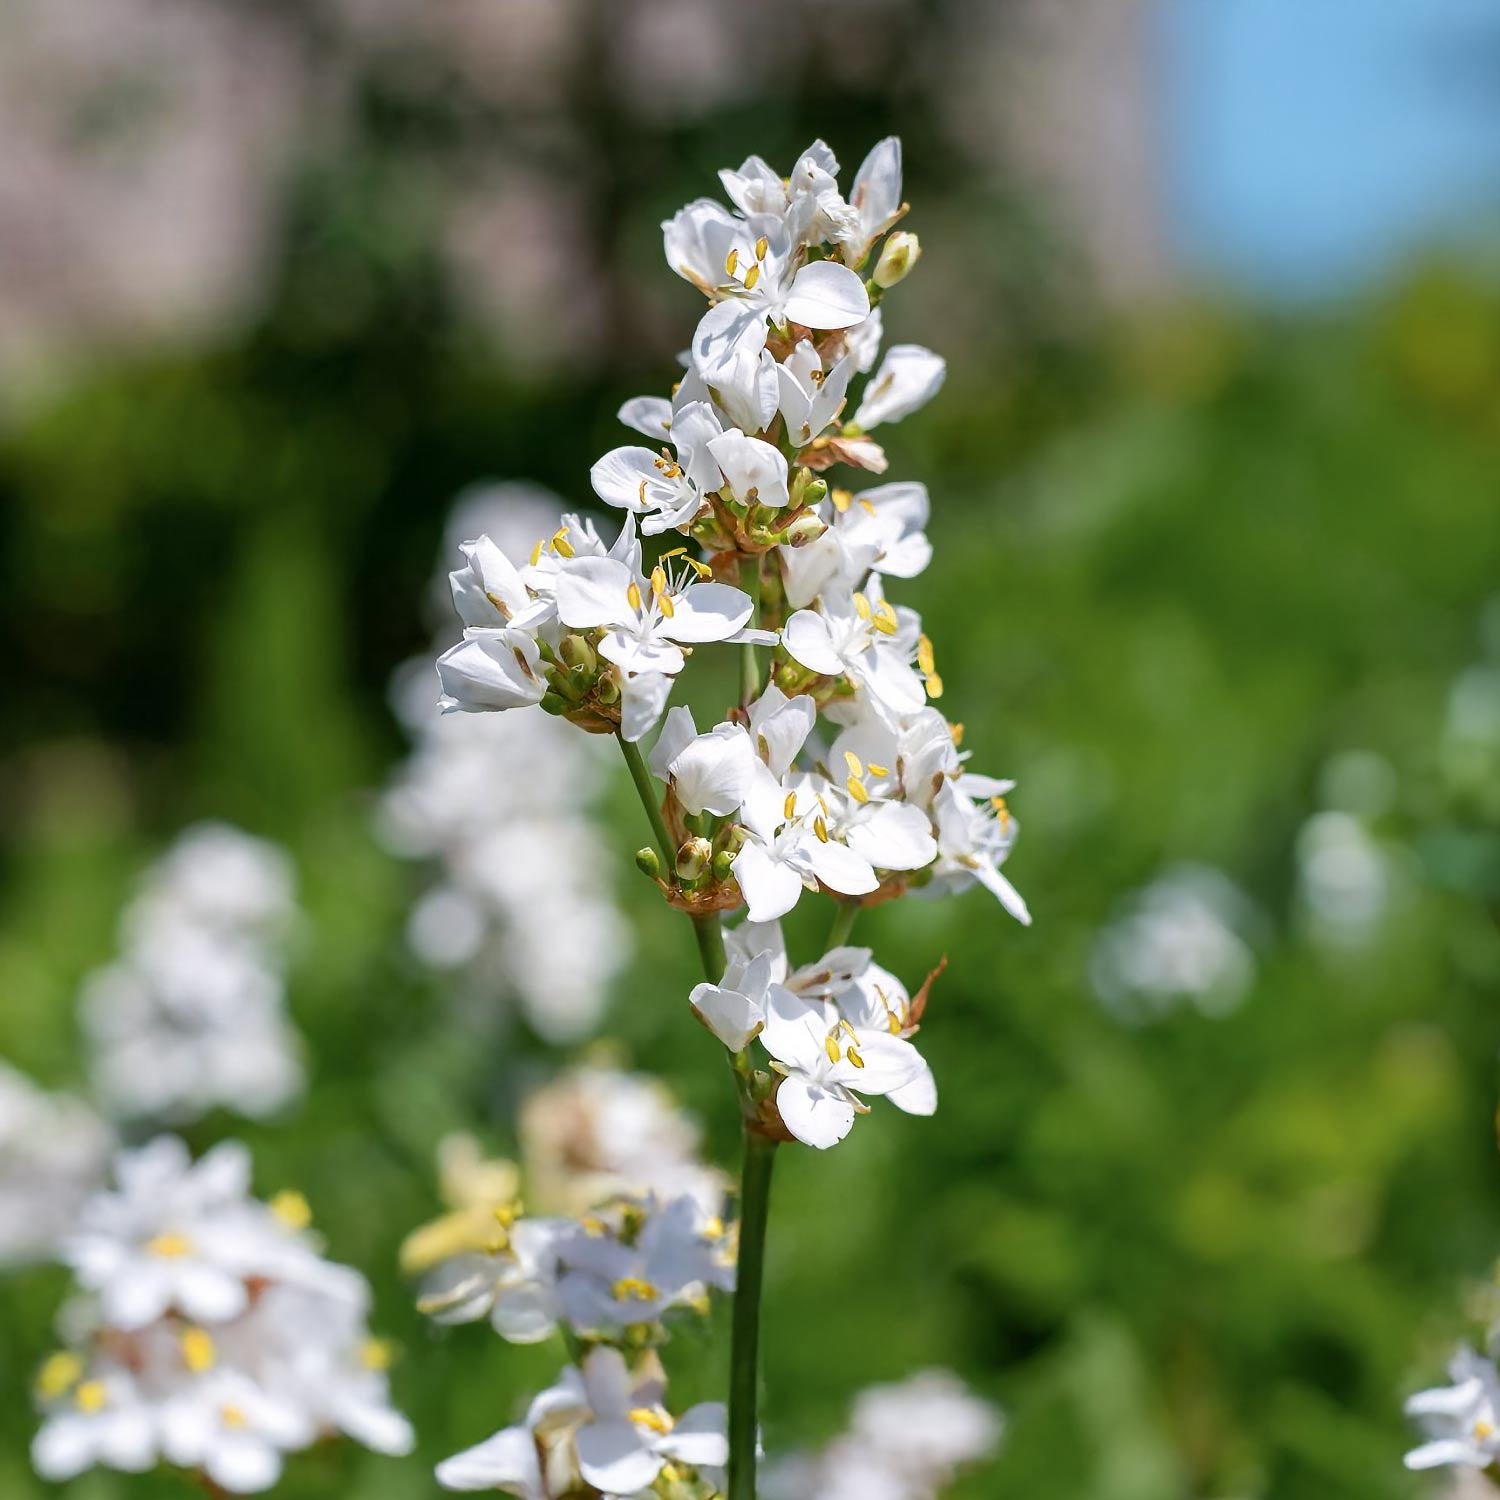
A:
191,1017
53,1151
1461,1420
1346,880
1183,939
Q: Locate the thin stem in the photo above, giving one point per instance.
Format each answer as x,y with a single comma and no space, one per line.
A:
844,917
749,662
710,936
744,1346
646,790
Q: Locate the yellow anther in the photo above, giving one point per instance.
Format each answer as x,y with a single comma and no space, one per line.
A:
731,262
506,1214
1002,811
658,580
91,1396
169,1246
856,766
934,685
560,543
854,1056
594,1226
789,807
845,1027
232,1416
862,606
822,804
198,1350
885,620
702,569
640,493
831,1047
821,829
633,595
857,790
1483,1429
60,1372
292,1209
668,608
634,1289
377,1354
817,377
651,1418
875,770
501,607
868,506
925,658
957,731
713,1227
892,1024
761,246
536,552
841,500
751,277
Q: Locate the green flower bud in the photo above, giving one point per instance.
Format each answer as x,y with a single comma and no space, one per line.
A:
901,253
806,528
723,866
553,703
607,690
577,652
647,862
694,858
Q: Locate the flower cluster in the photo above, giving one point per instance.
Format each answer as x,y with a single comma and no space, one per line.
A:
650,1246
210,1333
501,804
907,1441
833,772
1462,1419
53,1151
191,1017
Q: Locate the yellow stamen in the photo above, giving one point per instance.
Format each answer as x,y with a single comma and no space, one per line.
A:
1002,812
868,506
821,829
60,1372
633,595
668,608
658,581
377,1354
854,1056
841,500
857,790
170,1246
934,685
789,807
926,661
702,569
875,770
560,543
751,277
507,1213
731,262
957,731
641,493
862,606
831,1047
761,246
232,1416
198,1351
649,1417
633,1289
536,552
91,1396
856,766
292,1209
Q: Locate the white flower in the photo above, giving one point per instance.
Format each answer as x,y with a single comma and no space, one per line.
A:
807,200
974,840
668,492
234,1431
875,199
879,530
511,1460
735,1008
861,636
628,1436
490,670
515,1284
1462,1420
608,1285
877,1001
908,378
754,471
810,398
823,1064
706,772
489,592
927,1426
100,1420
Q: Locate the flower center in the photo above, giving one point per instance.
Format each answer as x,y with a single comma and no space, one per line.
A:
170,1246
634,1289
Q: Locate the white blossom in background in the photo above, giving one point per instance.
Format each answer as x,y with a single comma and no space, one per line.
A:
500,806
1461,1420
192,1015
907,1441
1185,939
210,1333
53,1153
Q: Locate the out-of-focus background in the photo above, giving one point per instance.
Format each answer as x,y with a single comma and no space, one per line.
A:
1217,578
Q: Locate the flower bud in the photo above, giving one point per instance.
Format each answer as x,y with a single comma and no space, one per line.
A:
647,862
607,690
723,866
694,858
553,703
577,652
806,528
902,251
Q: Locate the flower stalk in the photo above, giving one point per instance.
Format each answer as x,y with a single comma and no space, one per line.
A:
744,1347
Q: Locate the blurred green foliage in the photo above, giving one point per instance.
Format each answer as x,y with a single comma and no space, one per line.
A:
1178,566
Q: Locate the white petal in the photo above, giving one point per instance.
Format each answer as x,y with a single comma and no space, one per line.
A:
699,1436
894,837
651,415
734,1018
919,1097
613,1458
889,1062
696,240
641,702
908,378
677,734
493,669
827,295
706,612
779,727
1447,1451
807,640
618,476
630,652
796,1030
507,1459
817,1116
712,773
755,471
591,591
838,868
727,332
1009,897
771,888
487,575
524,1314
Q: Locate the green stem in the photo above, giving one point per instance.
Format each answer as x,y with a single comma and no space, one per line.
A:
749,662
844,917
710,936
645,788
744,1345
